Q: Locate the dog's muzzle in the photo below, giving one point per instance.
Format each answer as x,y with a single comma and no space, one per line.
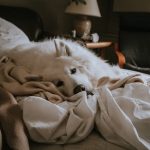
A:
80,88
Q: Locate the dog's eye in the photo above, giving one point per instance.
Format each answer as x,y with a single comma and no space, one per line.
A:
73,70
58,83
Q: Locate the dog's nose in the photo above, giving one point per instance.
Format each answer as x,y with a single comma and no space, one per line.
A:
79,88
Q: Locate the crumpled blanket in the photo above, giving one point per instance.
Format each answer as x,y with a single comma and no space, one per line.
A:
11,122
119,110
123,115
19,81
16,82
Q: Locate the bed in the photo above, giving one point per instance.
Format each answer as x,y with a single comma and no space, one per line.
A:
118,120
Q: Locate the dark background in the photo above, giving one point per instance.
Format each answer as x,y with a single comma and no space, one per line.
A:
57,22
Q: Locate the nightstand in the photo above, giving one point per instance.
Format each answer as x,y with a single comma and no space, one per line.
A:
98,47
105,48
107,51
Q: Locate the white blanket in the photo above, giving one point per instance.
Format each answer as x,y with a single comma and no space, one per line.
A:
121,115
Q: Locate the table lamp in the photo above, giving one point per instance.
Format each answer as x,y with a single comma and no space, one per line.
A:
82,24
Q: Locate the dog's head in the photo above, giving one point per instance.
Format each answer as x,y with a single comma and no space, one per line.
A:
68,74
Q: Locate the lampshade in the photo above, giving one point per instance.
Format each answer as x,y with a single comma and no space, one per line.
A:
89,9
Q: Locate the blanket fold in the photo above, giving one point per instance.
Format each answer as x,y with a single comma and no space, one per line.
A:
120,110
123,117
11,122
18,81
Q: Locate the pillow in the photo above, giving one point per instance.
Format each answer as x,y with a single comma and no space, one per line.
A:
10,35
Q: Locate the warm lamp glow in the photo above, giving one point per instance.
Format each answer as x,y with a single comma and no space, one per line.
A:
88,9
82,24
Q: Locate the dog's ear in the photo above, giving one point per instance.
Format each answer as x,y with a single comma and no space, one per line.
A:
61,49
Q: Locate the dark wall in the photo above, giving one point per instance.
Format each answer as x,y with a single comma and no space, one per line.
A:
107,24
56,21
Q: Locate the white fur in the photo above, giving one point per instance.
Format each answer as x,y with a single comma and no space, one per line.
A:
53,63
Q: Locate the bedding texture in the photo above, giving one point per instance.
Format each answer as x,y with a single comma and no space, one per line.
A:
10,35
124,105
121,116
118,110
18,81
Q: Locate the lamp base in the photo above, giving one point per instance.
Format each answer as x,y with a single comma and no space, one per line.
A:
82,25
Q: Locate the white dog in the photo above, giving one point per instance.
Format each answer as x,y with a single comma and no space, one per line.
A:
71,67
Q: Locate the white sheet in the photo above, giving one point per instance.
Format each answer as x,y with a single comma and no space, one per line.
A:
122,116
67,122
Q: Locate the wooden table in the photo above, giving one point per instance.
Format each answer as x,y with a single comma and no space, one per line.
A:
92,45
